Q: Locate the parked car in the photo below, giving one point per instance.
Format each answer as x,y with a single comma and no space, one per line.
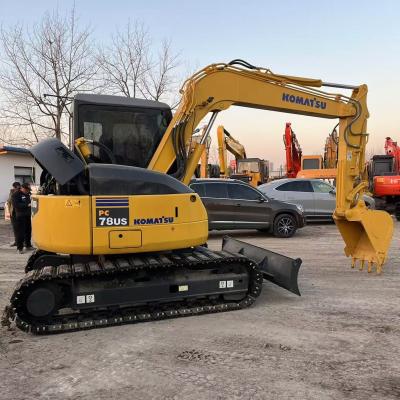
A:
317,197
233,204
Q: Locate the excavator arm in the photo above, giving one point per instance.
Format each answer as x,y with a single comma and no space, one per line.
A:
331,150
227,143
367,234
293,152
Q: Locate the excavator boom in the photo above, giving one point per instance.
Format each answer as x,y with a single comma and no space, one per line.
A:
367,234
227,143
331,150
293,152
252,170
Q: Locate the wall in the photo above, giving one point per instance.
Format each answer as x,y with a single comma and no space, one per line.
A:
7,163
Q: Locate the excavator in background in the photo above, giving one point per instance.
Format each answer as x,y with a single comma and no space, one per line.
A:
204,169
384,178
318,167
120,244
310,166
331,150
251,170
293,152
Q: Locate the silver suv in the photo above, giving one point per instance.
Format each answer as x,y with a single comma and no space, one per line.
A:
317,197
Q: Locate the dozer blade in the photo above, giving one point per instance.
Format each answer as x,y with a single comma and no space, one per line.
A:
367,235
276,268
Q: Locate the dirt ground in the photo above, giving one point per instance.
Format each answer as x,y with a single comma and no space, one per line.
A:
340,340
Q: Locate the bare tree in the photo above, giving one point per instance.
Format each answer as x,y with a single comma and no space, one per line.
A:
42,68
130,68
125,60
160,79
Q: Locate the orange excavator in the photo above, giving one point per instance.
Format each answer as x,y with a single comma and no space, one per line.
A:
310,166
384,178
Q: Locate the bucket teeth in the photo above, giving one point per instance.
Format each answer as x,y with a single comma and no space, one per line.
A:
379,269
371,265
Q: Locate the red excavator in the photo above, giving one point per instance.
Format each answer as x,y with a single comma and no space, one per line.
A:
392,149
384,178
293,152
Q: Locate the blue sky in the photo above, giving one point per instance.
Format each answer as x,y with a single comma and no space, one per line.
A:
342,41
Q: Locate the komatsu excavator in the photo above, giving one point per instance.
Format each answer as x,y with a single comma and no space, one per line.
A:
252,170
119,244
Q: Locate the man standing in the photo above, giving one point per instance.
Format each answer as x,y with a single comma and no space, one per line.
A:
15,187
21,202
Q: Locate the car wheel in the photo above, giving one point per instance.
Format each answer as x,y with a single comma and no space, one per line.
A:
285,226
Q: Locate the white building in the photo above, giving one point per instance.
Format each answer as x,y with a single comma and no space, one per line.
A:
16,164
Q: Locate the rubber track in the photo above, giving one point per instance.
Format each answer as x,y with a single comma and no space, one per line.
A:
198,257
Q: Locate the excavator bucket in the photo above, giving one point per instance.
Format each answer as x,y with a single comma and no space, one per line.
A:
367,235
276,268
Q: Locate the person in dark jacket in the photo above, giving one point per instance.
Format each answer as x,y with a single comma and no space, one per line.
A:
15,187
21,202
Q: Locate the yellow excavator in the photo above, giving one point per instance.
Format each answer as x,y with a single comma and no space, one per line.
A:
251,170
202,168
331,150
205,169
120,244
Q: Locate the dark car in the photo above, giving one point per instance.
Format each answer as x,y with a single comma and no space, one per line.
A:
233,204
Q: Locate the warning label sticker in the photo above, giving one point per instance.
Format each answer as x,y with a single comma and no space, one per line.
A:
72,203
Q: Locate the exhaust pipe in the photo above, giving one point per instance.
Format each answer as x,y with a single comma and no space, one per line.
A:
276,268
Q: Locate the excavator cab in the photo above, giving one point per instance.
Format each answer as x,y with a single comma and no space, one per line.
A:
130,128
252,170
311,162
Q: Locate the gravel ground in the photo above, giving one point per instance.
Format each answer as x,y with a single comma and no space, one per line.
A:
340,340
